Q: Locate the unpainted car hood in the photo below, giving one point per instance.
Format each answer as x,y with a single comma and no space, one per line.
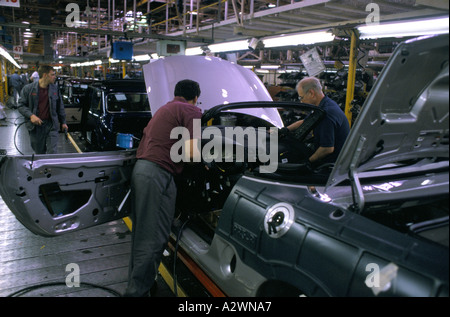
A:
221,82
406,115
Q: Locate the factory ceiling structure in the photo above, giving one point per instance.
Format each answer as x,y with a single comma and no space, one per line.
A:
85,29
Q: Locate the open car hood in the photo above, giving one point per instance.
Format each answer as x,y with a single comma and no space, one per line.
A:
405,117
221,82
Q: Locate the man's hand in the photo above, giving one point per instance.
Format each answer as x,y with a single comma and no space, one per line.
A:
64,127
283,132
35,120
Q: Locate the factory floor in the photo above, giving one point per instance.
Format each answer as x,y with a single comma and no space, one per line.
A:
36,266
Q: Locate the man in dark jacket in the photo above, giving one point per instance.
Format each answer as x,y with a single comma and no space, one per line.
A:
42,106
16,85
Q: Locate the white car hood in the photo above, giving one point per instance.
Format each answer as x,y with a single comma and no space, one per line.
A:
221,82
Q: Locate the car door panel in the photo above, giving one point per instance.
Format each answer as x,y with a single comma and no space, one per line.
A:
54,194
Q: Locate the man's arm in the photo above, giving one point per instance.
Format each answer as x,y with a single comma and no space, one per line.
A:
321,153
194,154
23,106
61,111
23,103
294,126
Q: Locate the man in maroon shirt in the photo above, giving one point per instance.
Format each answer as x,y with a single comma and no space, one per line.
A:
41,104
153,190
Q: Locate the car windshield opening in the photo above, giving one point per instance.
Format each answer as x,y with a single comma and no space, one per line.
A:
127,102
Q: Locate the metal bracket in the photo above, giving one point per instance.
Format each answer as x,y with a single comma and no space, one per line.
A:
357,192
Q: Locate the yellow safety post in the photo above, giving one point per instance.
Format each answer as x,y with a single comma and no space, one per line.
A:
124,70
351,75
3,81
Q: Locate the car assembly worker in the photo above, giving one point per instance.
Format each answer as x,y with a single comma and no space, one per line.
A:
41,104
153,189
332,131
16,84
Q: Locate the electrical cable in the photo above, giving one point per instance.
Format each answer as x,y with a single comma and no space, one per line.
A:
35,287
15,136
175,289
17,129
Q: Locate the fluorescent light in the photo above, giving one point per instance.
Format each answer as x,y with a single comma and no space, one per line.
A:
93,63
6,55
298,39
411,28
142,58
194,51
270,66
229,46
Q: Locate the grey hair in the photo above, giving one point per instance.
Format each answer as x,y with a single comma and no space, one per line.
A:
308,83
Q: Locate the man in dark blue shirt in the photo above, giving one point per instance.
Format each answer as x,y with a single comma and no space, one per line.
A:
332,131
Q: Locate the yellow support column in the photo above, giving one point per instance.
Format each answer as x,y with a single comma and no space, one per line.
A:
124,69
351,75
4,82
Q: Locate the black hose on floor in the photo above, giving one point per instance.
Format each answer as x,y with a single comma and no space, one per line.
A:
35,287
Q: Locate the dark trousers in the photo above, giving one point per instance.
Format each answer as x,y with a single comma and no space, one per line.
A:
153,194
44,139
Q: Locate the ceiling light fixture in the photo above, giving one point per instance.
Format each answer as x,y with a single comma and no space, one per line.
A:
270,66
6,55
141,58
194,51
229,46
408,28
298,39
88,11
253,43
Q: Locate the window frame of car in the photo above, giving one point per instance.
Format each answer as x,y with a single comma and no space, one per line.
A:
125,93
95,108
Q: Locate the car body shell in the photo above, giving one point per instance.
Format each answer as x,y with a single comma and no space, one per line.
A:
104,123
374,224
73,92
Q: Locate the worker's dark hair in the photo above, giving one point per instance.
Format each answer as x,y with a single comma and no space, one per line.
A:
188,89
44,69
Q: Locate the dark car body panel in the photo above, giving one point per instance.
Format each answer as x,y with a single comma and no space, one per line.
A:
103,125
327,249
